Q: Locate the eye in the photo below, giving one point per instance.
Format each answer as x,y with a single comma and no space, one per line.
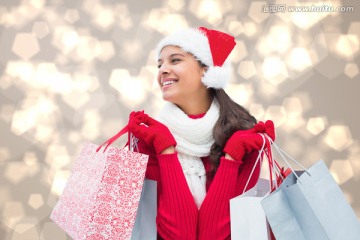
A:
174,60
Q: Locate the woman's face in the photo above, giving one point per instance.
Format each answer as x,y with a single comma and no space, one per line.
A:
179,75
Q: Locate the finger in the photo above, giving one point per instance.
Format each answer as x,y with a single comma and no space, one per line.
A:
150,121
134,120
135,113
260,127
138,130
269,123
253,141
270,129
139,117
259,141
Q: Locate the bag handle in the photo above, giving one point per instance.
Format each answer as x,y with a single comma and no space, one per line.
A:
256,162
132,140
274,166
282,153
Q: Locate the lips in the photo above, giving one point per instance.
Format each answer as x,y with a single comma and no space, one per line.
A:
168,82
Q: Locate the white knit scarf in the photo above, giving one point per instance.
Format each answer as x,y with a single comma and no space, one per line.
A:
194,139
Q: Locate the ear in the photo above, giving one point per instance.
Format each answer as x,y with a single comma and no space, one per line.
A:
204,68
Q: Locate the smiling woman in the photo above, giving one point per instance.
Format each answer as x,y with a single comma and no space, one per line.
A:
70,72
204,145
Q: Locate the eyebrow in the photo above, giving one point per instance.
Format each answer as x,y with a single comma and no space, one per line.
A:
172,55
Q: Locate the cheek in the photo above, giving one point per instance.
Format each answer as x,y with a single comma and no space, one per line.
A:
158,79
195,77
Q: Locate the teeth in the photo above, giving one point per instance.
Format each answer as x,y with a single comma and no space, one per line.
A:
168,83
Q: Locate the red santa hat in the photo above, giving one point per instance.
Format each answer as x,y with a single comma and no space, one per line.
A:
211,47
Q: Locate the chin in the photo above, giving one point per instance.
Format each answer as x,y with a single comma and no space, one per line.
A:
169,98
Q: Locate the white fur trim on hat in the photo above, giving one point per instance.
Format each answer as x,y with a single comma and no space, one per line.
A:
189,40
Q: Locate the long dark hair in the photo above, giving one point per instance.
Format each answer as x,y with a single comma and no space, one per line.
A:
232,118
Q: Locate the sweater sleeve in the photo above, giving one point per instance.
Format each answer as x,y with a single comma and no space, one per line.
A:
229,182
214,214
177,212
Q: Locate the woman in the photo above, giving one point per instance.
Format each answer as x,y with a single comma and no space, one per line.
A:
204,145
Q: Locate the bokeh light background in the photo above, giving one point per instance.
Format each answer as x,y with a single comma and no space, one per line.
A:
72,71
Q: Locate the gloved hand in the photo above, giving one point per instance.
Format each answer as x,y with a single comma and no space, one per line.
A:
152,132
267,127
245,141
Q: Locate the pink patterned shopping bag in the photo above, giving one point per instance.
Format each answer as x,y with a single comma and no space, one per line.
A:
102,195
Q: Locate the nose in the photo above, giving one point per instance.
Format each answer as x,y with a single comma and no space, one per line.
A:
164,69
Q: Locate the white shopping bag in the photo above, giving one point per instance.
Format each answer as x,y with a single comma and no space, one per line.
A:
247,217
248,220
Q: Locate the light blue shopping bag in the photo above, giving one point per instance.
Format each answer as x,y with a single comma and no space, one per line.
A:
145,222
310,206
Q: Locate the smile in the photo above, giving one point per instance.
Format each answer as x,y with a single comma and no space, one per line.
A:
168,82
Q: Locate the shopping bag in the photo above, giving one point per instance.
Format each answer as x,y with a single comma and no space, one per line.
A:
145,222
247,217
309,205
248,220
101,197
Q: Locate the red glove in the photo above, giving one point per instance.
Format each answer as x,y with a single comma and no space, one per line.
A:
245,141
152,132
267,127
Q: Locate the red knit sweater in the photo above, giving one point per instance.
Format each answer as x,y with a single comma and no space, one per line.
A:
177,215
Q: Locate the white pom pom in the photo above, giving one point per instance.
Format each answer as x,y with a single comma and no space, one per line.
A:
217,77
